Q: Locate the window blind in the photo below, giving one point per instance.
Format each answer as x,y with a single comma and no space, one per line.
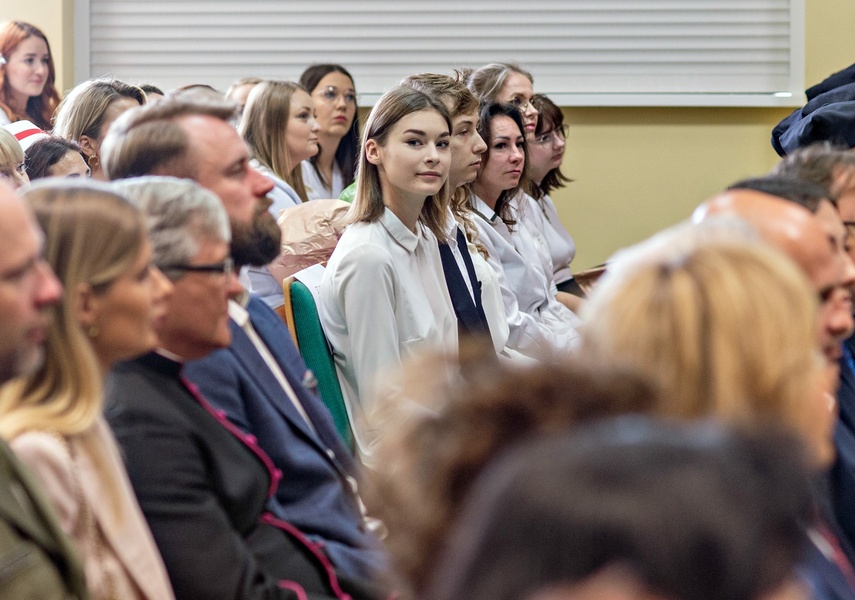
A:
581,52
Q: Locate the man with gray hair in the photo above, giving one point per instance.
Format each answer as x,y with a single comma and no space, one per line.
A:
260,380
202,484
38,559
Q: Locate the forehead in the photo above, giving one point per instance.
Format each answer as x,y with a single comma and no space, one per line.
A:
335,79
504,126
516,84
301,100
31,45
816,256
830,220
468,118
212,140
429,121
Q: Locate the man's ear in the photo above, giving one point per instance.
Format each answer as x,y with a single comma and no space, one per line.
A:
372,152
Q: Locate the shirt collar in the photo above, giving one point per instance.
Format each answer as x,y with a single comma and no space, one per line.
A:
237,309
483,210
399,231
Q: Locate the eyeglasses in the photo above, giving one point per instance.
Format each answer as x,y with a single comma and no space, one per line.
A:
520,103
548,137
227,267
330,94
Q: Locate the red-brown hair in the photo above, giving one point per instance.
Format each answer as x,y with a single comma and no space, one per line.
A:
39,108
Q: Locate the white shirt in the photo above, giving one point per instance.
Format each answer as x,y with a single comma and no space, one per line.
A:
282,195
315,188
383,300
537,322
562,247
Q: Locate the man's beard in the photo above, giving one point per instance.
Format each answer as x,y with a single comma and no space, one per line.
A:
256,244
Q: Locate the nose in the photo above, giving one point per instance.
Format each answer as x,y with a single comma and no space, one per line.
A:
259,184
531,112
48,288
837,316
559,142
433,154
848,271
314,127
480,146
163,287
41,69
233,286
517,155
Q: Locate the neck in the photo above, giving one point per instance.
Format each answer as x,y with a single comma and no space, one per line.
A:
406,208
487,194
326,156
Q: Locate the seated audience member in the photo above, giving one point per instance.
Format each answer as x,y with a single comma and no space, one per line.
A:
279,125
728,330
28,92
632,509
96,243
538,322
28,526
799,234
508,83
546,154
383,296
203,485
239,90
472,283
468,415
12,167
263,367
833,168
333,168
87,111
55,157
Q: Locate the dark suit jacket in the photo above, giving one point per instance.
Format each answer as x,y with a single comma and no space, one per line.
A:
203,489
36,559
843,471
314,494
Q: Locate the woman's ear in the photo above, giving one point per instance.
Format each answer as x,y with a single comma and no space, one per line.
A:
88,145
372,152
85,305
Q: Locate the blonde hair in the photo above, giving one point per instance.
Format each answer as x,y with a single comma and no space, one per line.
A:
11,154
92,236
83,109
727,328
368,205
263,125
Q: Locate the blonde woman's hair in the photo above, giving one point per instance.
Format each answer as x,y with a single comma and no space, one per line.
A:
83,109
263,125
92,236
11,154
393,106
727,328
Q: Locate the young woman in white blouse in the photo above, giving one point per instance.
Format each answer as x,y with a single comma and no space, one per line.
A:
546,154
383,295
538,323
333,168
278,123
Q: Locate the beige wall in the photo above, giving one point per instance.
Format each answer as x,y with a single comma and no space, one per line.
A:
637,170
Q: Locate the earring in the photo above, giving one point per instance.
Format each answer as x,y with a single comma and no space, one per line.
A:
93,162
93,331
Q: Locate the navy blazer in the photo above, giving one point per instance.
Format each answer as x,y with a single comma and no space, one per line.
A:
843,471
316,492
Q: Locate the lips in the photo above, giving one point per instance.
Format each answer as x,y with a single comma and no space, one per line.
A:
430,175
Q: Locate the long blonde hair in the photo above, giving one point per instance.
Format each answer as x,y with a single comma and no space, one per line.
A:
263,125
727,328
92,236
